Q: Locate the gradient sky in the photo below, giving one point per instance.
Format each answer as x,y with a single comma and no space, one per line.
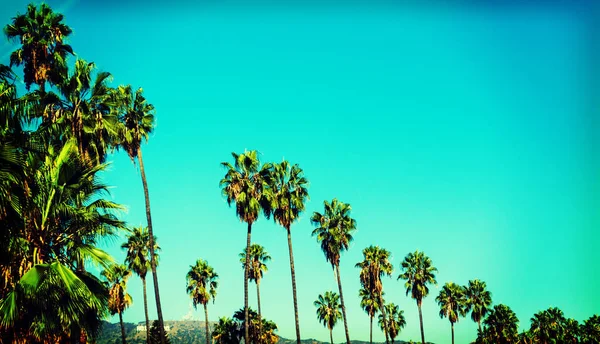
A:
469,132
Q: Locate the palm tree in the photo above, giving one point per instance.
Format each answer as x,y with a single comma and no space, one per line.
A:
571,331
418,272
287,196
226,331
41,33
244,184
371,304
452,303
138,261
202,282
334,232
375,265
500,326
479,300
116,277
548,325
395,320
590,330
137,117
258,258
328,311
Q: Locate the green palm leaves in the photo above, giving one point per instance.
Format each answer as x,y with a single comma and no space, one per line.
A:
500,326
328,310
258,259
479,300
202,282
393,322
116,277
452,303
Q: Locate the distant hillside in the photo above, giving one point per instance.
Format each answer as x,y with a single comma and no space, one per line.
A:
182,332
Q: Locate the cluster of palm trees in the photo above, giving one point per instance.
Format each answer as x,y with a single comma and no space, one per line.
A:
54,141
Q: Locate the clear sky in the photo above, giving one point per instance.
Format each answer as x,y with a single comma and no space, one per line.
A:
469,132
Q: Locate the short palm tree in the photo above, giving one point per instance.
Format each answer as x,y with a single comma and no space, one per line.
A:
371,304
548,325
138,261
500,326
137,119
418,272
226,331
375,265
452,303
258,259
117,276
287,196
395,320
41,32
328,311
334,231
202,282
244,184
479,300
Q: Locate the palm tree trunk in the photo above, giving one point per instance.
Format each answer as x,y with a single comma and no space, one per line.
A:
293,271
146,310
331,335
246,336
479,323
122,328
385,325
421,322
452,326
206,324
371,331
337,269
161,324
259,313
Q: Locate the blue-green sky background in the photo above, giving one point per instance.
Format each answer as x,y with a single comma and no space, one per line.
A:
467,131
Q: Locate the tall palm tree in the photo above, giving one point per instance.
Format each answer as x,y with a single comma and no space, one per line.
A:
479,300
371,304
395,320
41,33
328,311
137,117
116,277
452,303
500,326
258,259
287,196
138,261
244,184
375,265
202,282
334,232
418,272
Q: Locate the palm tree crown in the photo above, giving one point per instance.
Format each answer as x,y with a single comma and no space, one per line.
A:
418,271
287,193
479,300
138,251
202,282
329,309
452,302
394,320
117,276
334,229
137,116
258,259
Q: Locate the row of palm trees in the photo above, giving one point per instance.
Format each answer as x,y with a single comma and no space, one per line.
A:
54,142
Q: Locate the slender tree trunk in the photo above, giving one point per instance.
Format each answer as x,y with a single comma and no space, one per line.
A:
452,327
146,310
259,313
385,324
371,331
337,269
206,324
479,323
331,335
293,271
161,324
246,336
421,322
122,328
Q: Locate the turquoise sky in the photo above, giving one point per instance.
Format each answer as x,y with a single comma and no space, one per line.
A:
469,132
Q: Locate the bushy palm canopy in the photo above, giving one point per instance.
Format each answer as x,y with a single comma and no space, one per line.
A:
590,330
375,265
287,193
41,33
116,276
452,302
500,326
418,272
369,301
244,184
202,282
395,320
138,251
226,331
478,300
258,259
548,324
328,309
334,229
137,116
